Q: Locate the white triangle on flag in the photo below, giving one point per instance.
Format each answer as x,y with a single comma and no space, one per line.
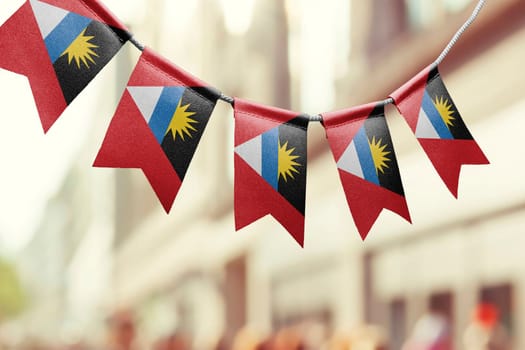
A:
251,152
47,16
350,163
425,129
146,98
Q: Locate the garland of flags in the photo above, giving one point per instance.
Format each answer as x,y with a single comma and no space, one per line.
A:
61,45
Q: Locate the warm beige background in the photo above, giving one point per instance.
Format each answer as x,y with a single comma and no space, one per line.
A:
89,241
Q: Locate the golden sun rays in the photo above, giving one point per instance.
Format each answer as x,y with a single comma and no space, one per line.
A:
182,124
287,164
81,50
445,109
379,155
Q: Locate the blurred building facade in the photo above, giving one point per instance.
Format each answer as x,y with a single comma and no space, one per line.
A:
263,280
190,271
458,254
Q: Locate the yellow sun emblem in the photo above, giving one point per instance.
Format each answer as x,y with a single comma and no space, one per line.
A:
379,155
181,124
445,109
287,164
81,50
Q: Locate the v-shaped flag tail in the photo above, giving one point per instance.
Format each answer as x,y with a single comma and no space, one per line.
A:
362,146
270,166
158,124
60,46
435,120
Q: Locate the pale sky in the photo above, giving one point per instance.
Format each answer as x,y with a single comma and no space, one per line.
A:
33,165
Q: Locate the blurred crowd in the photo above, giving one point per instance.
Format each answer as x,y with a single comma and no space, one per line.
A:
432,332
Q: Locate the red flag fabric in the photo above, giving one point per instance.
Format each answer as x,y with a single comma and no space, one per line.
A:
362,147
270,166
431,113
60,45
158,124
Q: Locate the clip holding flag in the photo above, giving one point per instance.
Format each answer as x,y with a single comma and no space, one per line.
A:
428,108
270,166
363,150
60,46
158,124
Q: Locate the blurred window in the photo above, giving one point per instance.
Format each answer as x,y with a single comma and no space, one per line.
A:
388,22
398,331
235,296
321,316
425,13
318,53
421,12
443,304
455,5
500,296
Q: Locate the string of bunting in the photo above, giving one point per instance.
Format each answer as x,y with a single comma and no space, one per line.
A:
61,45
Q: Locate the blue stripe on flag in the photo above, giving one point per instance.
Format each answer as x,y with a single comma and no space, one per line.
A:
270,157
64,34
164,111
365,156
435,118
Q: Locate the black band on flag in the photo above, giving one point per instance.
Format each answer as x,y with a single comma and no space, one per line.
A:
75,73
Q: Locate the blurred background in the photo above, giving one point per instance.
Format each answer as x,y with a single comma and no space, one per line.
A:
89,259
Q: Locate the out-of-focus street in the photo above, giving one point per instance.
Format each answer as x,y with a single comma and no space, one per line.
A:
90,260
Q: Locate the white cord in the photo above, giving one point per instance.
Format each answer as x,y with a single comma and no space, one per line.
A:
460,32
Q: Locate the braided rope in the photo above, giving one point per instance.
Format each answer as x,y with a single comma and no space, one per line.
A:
460,32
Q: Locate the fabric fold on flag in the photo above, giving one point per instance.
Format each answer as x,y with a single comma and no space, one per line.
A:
158,124
270,166
432,115
61,46
363,150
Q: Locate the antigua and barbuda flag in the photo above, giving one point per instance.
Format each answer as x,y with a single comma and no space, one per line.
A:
429,110
158,124
270,166
362,146
60,45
